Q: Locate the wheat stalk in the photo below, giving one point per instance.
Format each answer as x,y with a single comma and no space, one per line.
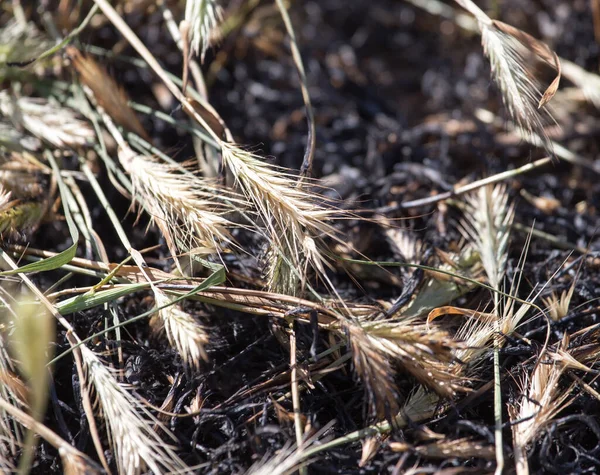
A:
136,445
487,226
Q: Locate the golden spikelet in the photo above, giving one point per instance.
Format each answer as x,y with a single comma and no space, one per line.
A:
109,95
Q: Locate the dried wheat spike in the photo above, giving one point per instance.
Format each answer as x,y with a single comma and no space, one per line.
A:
203,17
488,217
131,430
109,95
542,399
55,124
184,332
295,218
510,52
185,207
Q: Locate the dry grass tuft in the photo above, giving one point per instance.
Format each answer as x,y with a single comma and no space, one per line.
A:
376,372
426,352
476,336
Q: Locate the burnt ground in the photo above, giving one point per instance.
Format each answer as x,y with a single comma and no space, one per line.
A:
395,91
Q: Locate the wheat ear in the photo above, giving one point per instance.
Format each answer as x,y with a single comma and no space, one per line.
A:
59,126
295,220
542,398
137,446
204,17
509,51
183,331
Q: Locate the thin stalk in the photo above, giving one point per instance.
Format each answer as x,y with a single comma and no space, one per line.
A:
309,154
461,190
295,392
